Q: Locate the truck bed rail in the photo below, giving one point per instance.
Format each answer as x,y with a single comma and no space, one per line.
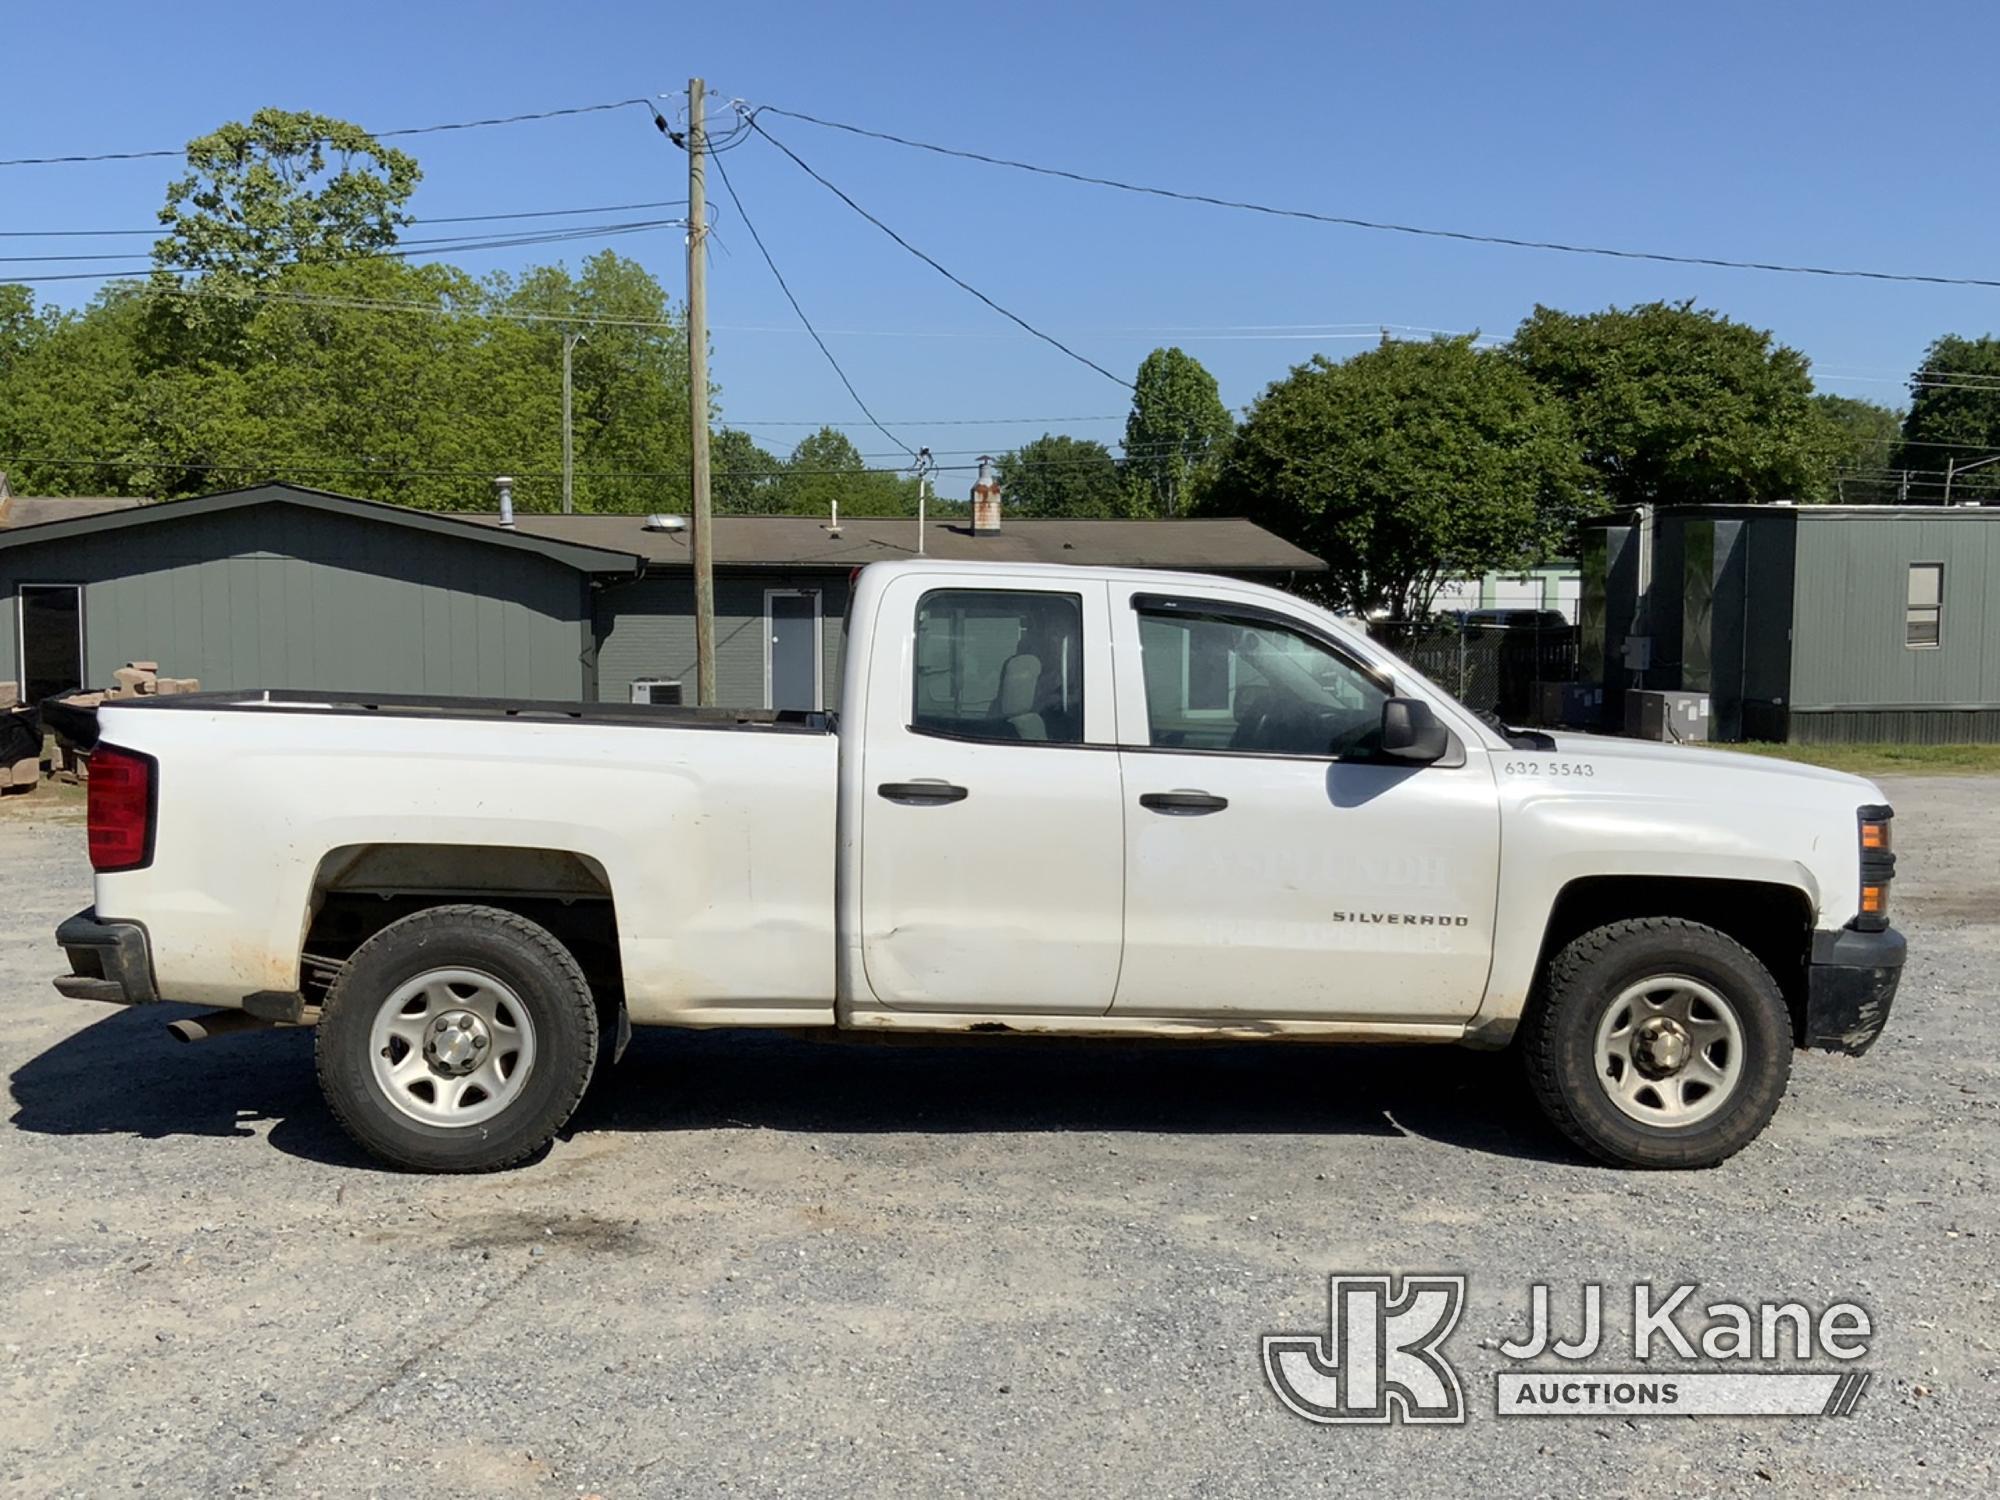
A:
398,705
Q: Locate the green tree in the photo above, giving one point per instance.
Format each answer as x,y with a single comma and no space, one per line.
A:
1175,435
1674,404
1062,476
1405,466
293,349
69,408
287,187
826,467
22,325
744,478
1954,419
630,376
1861,438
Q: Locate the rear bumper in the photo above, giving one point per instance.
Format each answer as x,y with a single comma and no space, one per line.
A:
1850,985
108,961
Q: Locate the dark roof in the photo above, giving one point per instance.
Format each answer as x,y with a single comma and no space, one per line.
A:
582,555
1224,545
624,544
38,510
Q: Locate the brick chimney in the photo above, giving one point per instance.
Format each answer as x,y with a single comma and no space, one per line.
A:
986,501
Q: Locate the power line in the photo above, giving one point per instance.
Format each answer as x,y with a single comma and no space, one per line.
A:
390,470
959,282
783,286
437,247
433,244
380,135
541,213
1348,222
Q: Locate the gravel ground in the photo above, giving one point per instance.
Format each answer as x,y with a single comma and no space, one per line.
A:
773,1266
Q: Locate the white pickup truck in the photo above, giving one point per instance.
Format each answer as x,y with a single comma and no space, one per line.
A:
1059,801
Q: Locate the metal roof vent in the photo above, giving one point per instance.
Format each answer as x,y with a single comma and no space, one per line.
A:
666,523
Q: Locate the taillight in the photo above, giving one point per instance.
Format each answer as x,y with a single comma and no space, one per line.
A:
120,809
1878,868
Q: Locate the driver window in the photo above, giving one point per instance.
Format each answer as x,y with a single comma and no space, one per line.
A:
1216,683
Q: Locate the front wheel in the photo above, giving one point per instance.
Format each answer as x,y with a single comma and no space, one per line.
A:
1659,1042
458,1039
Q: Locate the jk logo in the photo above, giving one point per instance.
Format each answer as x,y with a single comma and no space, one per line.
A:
1380,1359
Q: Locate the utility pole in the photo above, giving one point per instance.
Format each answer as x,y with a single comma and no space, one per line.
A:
697,316
1953,467
570,341
924,464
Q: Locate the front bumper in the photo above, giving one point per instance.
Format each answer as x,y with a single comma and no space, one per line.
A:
108,961
1850,985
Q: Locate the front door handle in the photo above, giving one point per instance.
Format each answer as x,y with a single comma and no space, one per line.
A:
922,793
1183,804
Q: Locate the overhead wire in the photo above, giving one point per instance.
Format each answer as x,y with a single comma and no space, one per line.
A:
380,135
416,250
539,213
432,244
779,276
1350,222
956,280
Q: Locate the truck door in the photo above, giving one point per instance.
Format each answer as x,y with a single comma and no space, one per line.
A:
1273,869
989,806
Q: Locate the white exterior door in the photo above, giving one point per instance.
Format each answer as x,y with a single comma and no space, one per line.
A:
1273,868
990,812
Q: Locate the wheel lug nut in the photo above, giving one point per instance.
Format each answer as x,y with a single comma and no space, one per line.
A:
479,1041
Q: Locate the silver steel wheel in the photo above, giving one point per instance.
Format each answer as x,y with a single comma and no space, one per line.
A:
452,1047
1670,1051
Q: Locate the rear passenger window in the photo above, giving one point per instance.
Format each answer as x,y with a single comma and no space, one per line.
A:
1004,665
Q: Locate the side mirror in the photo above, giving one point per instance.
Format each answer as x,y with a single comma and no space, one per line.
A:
1411,732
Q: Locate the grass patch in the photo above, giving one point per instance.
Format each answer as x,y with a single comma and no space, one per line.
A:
1885,760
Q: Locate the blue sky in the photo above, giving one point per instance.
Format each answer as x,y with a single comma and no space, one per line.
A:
1839,134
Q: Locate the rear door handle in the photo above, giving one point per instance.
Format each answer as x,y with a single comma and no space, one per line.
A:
1183,804
922,793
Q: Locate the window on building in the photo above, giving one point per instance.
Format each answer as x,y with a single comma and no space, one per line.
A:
1002,665
51,640
1923,618
1214,682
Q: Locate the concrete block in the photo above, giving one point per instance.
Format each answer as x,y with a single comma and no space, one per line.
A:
151,667
25,772
174,685
133,682
10,694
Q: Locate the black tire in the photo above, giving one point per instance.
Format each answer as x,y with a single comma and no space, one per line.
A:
1559,1041
524,958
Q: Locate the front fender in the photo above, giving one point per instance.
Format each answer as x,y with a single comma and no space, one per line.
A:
1550,841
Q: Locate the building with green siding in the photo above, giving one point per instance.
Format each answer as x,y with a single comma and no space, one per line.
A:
280,586
1816,624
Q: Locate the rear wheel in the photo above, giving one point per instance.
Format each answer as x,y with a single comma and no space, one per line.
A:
1659,1043
459,1039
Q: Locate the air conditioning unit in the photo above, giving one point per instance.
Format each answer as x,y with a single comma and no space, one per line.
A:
663,691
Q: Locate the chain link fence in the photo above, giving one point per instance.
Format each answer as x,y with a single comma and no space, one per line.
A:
1489,668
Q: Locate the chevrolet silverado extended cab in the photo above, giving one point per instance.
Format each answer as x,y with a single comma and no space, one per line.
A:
1053,800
